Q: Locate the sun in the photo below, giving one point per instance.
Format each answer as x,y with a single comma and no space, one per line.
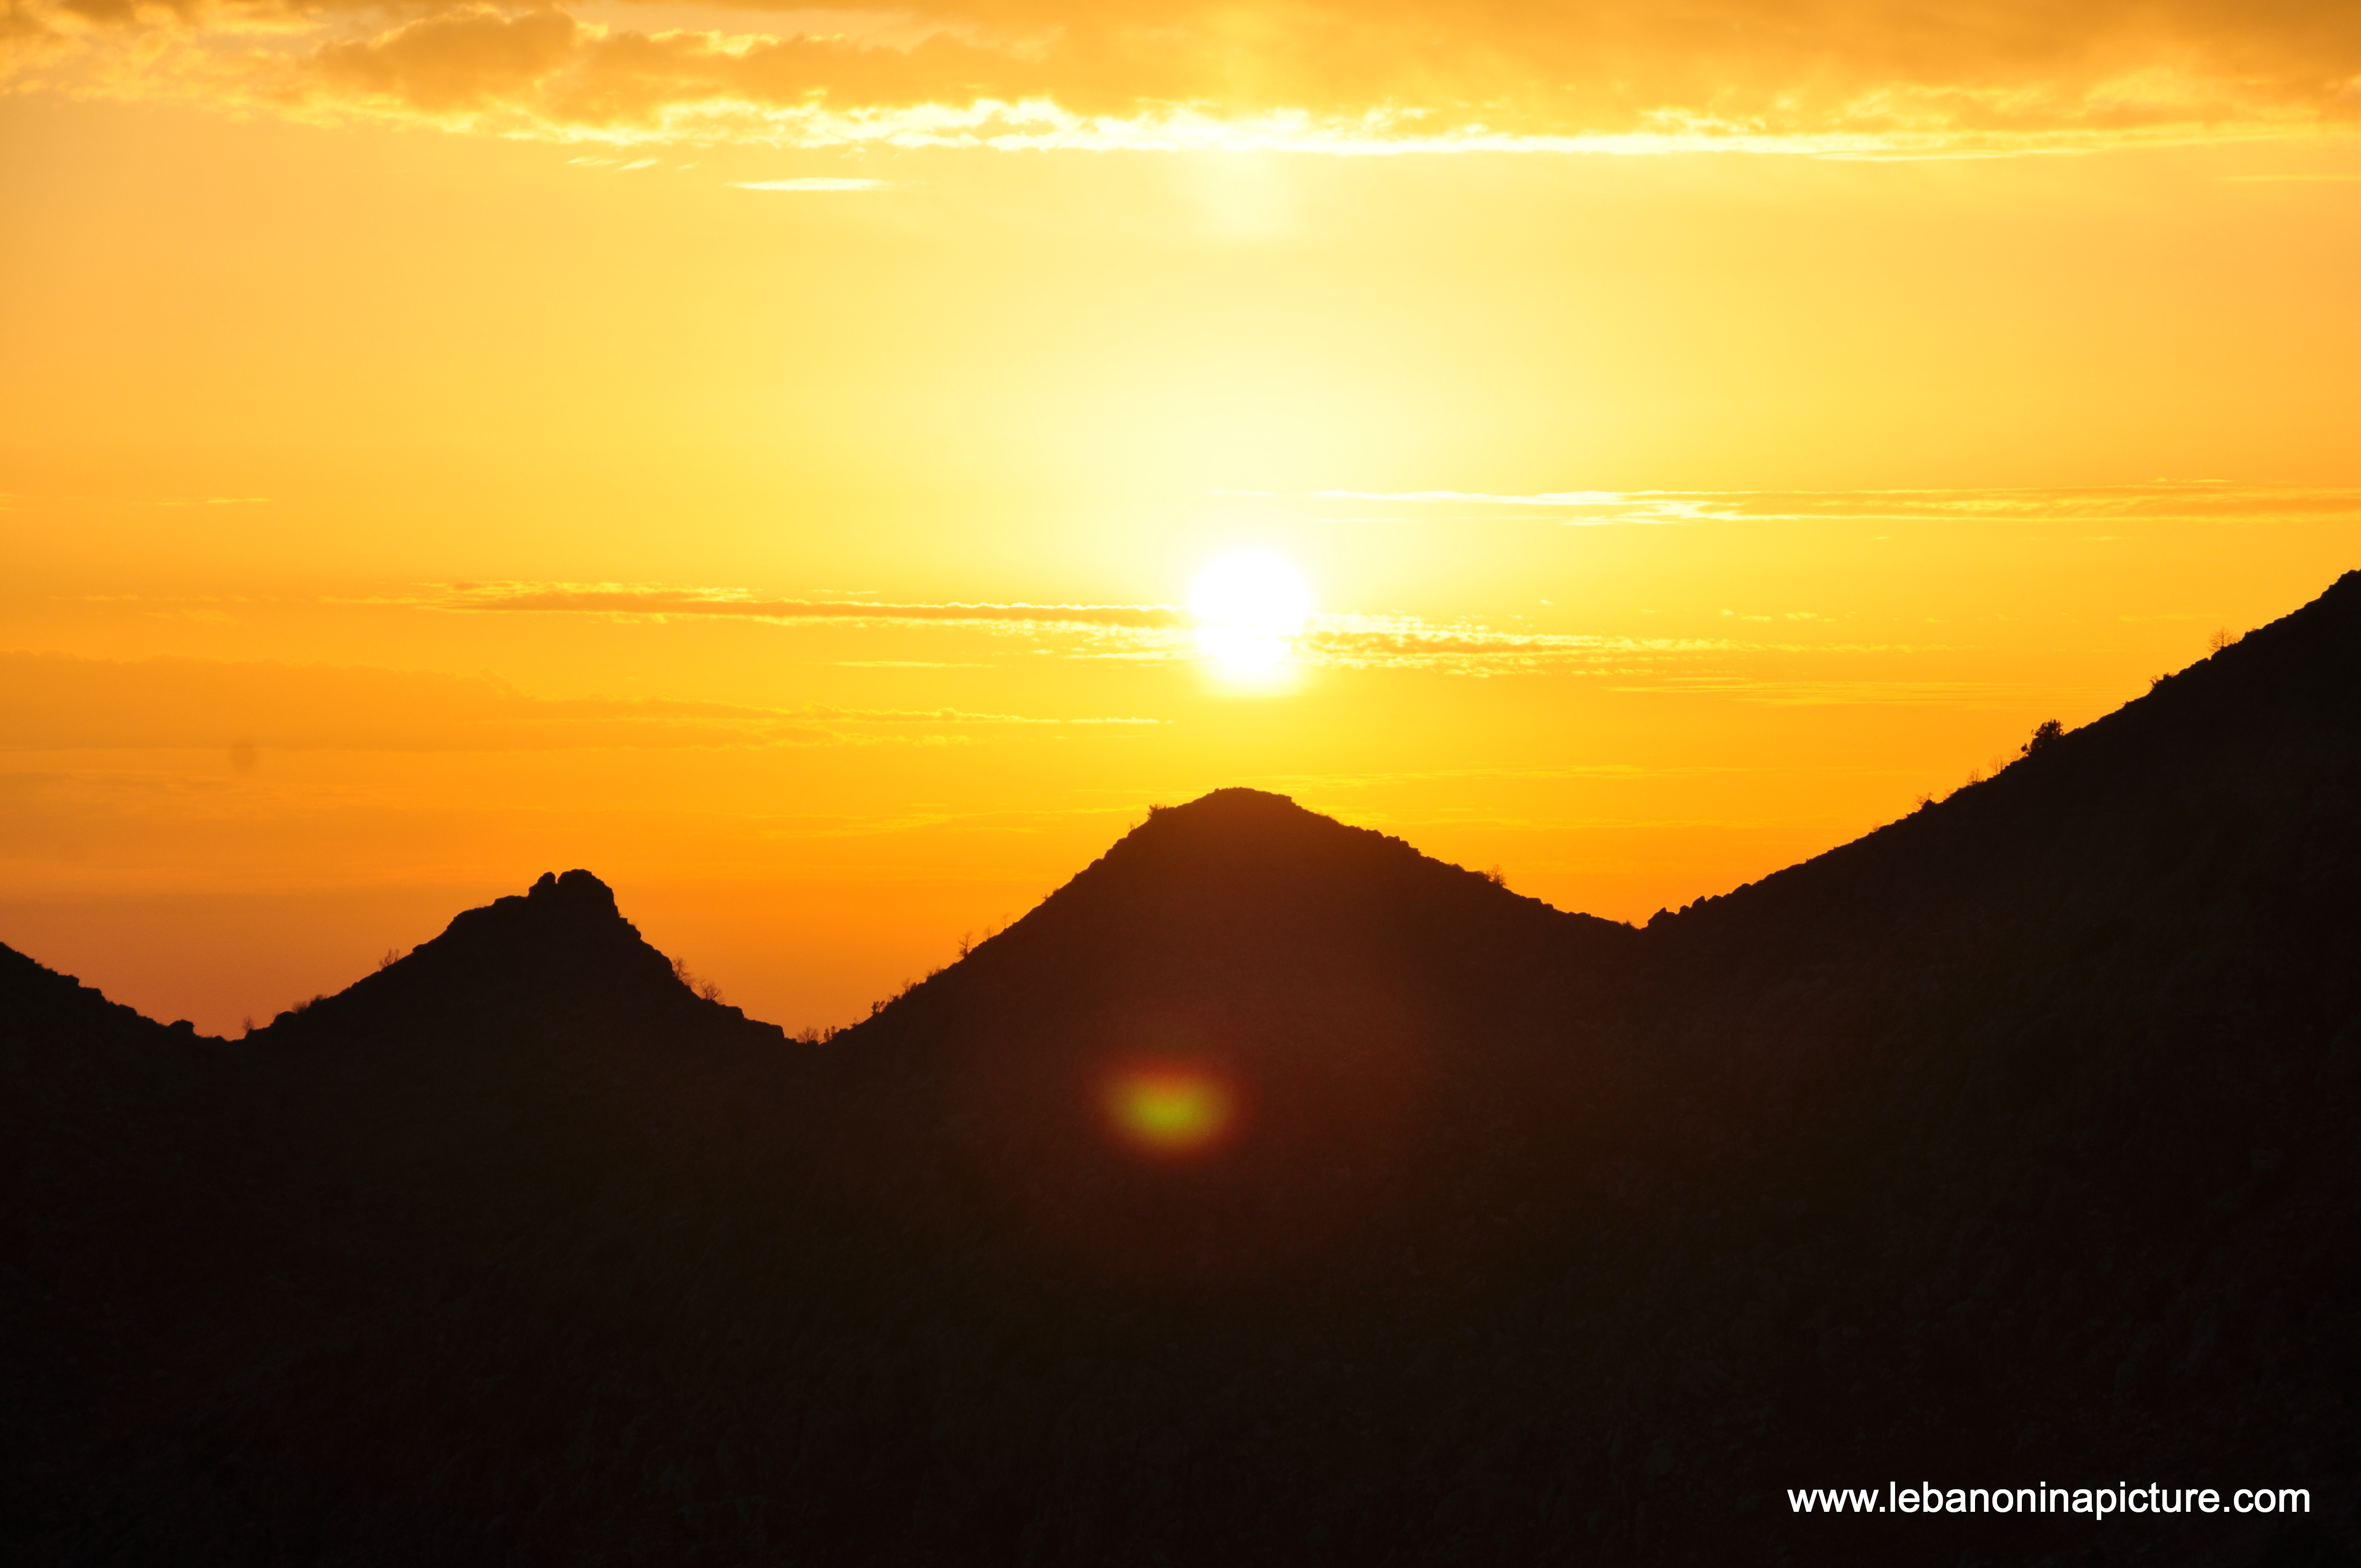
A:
1250,607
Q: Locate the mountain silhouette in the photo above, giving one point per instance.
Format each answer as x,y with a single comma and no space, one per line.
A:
1270,1193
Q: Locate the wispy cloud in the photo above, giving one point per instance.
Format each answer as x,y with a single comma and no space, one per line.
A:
635,601
1783,691
1472,648
816,182
949,716
1155,633
1597,508
2160,501
1842,77
1362,641
1134,634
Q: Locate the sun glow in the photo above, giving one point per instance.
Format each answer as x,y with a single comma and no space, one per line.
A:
1250,607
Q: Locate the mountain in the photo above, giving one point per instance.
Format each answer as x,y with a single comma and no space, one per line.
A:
1271,1193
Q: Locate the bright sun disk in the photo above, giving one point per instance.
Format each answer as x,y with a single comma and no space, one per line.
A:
1250,607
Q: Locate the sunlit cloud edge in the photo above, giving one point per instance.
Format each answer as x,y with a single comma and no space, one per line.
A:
254,60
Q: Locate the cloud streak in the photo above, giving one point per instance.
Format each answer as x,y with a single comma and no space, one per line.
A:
1135,633
2159,502
1872,77
815,184
657,603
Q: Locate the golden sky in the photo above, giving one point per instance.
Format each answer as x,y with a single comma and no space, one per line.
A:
769,456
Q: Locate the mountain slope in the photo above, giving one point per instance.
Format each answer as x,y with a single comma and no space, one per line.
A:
1270,1193
2055,1085
189,1217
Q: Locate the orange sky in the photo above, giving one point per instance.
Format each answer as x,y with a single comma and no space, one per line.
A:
765,455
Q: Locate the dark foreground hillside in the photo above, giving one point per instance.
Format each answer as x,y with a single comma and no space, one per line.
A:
1271,1194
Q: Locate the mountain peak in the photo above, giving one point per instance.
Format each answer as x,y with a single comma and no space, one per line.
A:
1246,913
1236,854
577,890
1238,803
561,947
575,910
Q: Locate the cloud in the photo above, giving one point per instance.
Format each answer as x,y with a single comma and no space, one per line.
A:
625,600
1783,692
2163,502
1599,509
1148,635
816,183
52,702
1874,77
1472,648
1144,634
462,60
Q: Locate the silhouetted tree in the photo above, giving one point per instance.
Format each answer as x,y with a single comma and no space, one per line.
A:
2045,731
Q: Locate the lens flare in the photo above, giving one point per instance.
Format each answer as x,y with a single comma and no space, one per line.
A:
1250,607
1168,1109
